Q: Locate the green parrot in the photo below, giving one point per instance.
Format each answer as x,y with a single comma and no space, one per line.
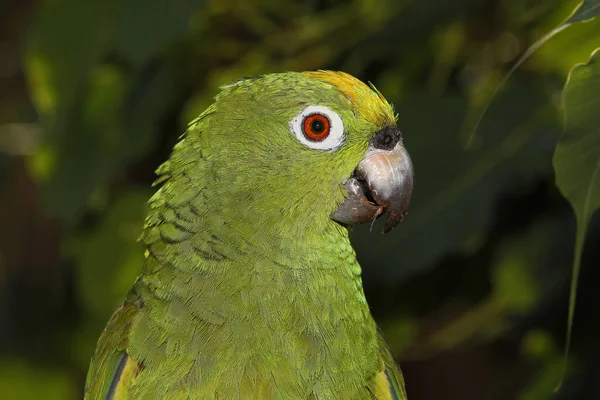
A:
250,287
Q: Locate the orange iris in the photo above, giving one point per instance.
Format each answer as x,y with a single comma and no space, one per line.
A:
316,127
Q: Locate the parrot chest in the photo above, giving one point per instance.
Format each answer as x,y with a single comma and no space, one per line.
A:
278,345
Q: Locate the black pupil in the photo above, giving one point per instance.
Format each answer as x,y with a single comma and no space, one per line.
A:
317,126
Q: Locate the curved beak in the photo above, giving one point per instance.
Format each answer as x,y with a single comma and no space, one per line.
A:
381,183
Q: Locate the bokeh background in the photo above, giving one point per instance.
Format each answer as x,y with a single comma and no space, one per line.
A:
471,290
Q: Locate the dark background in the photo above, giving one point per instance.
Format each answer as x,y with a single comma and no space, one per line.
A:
471,290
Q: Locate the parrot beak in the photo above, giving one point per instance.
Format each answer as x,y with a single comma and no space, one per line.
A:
381,183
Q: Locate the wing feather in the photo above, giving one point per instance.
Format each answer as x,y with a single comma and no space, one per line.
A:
389,382
111,368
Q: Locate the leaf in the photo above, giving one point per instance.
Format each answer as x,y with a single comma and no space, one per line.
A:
146,27
107,257
519,283
539,348
22,379
585,11
577,159
101,84
571,47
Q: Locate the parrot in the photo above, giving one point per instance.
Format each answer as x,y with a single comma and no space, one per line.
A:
250,287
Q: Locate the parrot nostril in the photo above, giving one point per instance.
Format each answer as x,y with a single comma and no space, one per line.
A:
386,138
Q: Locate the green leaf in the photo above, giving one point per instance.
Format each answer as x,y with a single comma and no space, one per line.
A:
540,349
101,83
577,158
585,11
107,257
22,379
146,27
516,289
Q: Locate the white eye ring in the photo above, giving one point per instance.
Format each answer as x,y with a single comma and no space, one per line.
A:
331,141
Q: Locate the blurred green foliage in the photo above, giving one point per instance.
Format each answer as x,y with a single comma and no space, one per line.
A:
577,158
471,289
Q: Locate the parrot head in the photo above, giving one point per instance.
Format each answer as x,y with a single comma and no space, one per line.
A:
307,148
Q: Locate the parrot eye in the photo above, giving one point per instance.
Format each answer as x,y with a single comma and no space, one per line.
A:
316,127
319,128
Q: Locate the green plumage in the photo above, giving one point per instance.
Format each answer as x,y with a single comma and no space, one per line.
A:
250,290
